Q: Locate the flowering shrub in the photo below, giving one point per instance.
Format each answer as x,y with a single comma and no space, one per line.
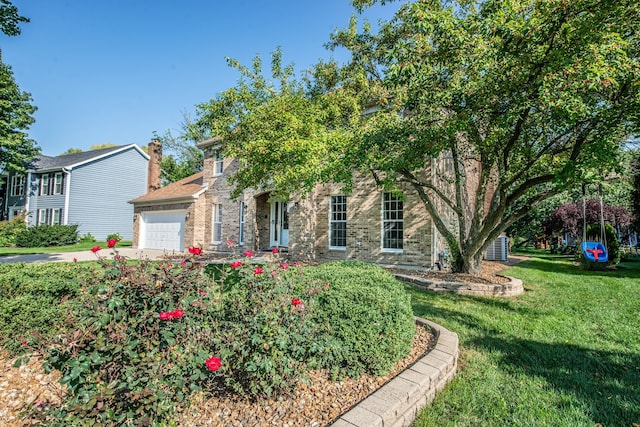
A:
142,336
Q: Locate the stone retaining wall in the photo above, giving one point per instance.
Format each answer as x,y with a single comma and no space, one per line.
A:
398,402
513,288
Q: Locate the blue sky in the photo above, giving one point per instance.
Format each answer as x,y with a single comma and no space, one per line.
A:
116,71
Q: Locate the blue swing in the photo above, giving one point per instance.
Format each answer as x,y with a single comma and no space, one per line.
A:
595,252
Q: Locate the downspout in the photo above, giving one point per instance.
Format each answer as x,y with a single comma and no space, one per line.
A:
434,232
67,186
27,194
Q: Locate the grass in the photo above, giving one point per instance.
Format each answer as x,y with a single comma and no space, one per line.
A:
57,249
565,353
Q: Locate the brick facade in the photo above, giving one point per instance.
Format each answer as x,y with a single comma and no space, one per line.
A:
308,219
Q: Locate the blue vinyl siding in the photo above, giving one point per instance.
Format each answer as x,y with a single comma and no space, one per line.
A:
36,201
100,190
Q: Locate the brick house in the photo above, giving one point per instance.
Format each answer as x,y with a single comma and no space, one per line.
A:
368,224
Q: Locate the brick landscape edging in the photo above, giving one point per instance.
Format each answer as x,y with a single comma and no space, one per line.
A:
397,402
513,288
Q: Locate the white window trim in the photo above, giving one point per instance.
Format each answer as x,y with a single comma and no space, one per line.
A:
17,181
241,223
217,223
331,247
57,211
45,182
382,222
218,162
41,220
57,183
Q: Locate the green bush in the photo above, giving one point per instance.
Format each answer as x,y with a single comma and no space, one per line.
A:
33,300
87,238
10,229
365,317
141,337
114,236
47,235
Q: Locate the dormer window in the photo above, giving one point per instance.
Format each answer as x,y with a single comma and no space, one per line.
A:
218,162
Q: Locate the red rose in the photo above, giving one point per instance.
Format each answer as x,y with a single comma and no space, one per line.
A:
111,243
235,264
166,315
177,314
258,271
274,250
296,301
248,254
195,250
95,249
284,266
213,363
75,259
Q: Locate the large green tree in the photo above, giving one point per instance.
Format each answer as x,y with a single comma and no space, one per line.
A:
517,99
16,111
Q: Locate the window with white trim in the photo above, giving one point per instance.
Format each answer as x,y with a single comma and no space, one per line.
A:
42,216
17,185
57,183
338,222
49,216
218,162
217,223
243,209
44,185
56,217
392,222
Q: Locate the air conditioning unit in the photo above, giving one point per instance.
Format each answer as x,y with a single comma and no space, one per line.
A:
498,250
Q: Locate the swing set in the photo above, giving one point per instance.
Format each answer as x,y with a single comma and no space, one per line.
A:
593,251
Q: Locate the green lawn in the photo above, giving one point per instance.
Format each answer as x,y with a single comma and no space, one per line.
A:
565,353
57,249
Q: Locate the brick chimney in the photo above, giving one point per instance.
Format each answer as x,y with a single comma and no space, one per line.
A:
153,174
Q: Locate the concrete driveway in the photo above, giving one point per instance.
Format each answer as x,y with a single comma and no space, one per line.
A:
87,255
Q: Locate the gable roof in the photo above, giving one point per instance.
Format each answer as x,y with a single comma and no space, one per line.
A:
188,188
69,161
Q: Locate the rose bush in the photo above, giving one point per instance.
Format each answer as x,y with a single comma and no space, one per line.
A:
142,336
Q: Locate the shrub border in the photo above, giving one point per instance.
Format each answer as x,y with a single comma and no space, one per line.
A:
398,402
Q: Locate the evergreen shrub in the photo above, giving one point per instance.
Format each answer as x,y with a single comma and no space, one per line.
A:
47,235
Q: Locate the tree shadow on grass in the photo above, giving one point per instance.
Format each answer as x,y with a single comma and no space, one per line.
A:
621,271
608,382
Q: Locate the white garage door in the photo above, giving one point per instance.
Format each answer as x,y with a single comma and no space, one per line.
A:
162,230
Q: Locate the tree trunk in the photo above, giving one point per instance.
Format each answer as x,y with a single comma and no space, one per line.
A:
466,263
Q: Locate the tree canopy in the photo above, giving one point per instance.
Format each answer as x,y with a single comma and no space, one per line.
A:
16,111
517,100
10,19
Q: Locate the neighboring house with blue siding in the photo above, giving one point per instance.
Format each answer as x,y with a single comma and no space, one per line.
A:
90,189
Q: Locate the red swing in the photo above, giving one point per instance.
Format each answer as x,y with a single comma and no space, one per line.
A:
593,251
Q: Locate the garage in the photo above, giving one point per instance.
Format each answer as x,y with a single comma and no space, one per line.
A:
162,230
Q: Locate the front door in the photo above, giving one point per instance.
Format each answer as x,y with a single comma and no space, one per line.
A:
279,230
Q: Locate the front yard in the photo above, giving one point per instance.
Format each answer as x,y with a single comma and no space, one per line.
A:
566,353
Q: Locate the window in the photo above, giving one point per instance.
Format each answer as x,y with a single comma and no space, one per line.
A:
338,222
17,185
392,222
217,223
42,216
243,209
57,183
57,217
49,216
44,185
218,163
